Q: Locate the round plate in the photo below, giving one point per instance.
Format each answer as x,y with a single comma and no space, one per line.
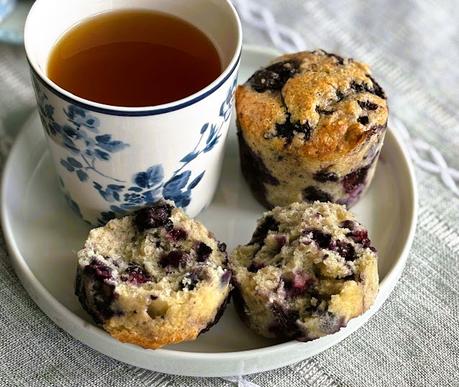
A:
43,236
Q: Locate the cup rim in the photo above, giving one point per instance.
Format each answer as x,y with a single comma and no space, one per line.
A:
142,110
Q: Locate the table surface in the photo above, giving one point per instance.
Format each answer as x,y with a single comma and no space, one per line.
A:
413,48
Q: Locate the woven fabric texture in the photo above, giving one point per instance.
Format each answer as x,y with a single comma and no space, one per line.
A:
413,48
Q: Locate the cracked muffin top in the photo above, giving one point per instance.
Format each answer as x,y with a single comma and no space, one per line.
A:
315,104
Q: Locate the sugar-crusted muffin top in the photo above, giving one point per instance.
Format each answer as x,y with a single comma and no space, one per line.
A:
315,104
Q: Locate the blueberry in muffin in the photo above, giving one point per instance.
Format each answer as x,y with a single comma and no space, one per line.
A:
308,270
153,278
311,126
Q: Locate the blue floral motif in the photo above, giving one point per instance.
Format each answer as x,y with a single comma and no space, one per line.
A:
80,136
72,204
79,117
148,186
177,187
111,193
145,188
86,146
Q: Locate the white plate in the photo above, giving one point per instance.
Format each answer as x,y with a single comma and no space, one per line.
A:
43,236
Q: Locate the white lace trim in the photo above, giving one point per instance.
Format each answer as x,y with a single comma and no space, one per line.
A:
427,157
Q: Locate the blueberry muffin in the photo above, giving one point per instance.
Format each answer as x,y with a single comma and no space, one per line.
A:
307,271
153,278
310,127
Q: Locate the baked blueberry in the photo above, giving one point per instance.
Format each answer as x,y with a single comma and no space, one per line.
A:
311,194
274,76
135,274
152,217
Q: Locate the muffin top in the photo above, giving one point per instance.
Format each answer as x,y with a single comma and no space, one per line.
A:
315,104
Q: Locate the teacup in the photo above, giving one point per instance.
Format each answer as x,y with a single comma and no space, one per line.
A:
111,160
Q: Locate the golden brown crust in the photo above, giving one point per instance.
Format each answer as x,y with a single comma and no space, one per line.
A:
133,338
167,334
329,95
258,111
185,318
370,280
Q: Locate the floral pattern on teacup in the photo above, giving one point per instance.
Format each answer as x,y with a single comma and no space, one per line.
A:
86,144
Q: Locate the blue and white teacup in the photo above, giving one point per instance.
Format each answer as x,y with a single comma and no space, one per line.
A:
111,160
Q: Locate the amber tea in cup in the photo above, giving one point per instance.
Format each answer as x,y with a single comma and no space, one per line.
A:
133,58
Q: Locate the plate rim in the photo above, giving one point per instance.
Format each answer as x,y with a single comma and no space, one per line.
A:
79,328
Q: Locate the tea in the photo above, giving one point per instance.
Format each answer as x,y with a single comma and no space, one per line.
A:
133,58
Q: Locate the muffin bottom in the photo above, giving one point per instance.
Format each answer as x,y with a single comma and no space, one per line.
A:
307,271
153,278
304,185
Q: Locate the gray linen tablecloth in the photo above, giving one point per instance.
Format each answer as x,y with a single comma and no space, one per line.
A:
413,47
